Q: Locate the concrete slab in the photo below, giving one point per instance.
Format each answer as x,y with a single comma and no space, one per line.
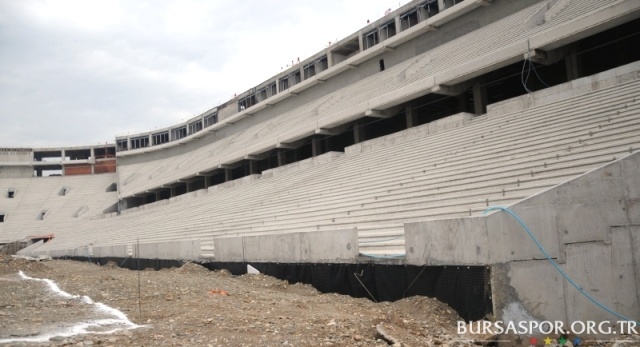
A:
583,223
540,288
331,246
460,241
631,177
188,249
590,266
509,241
272,248
229,249
624,273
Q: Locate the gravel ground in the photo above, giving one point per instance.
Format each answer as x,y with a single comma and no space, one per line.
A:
192,306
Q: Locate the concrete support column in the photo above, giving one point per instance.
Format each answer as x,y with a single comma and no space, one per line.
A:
253,167
93,158
329,59
572,65
358,133
441,5
128,142
207,181
62,159
189,186
158,196
398,24
281,159
227,175
174,191
361,41
479,99
409,116
150,140
315,147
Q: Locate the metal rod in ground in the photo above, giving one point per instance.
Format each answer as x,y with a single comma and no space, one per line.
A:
139,294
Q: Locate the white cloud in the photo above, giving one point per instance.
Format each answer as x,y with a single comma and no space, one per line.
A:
78,72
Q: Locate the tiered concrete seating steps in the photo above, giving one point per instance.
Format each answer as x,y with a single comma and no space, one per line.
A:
159,168
493,160
85,198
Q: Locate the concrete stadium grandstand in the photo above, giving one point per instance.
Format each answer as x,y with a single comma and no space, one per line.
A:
375,168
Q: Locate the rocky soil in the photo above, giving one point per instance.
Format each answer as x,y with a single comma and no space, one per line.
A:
192,306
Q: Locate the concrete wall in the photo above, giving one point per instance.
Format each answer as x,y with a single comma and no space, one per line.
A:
188,250
303,164
331,246
567,90
437,126
590,225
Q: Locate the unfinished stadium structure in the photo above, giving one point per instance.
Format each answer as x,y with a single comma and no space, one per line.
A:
381,166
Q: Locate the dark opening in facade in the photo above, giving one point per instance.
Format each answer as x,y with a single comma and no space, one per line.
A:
41,215
381,64
1,217
11,193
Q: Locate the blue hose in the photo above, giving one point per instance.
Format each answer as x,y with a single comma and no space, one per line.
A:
555,265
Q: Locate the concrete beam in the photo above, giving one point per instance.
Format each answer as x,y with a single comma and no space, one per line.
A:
377,114
322,131
448,90
285,146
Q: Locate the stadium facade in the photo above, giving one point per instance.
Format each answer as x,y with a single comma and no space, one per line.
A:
384,156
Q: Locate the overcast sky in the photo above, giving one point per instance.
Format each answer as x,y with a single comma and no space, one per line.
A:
79,72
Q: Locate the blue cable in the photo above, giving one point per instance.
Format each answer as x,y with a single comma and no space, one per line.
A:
558,268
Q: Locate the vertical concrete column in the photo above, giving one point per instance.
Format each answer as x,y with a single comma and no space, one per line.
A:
173,191
358,133
62,159
441,5
207,181
315,147
479,99
189,186
329,58
93,157
128,142
158,196
253,167
572,66
150,140
360,41
227,175
398,24
409,115
281,159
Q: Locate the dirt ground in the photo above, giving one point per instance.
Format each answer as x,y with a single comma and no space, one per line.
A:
192,306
